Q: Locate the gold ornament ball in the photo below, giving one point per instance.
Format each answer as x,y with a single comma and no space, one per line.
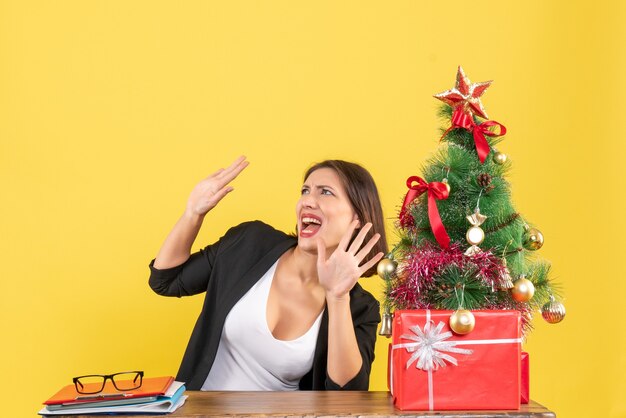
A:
523,290
553,312
475,235
462,321
533,239
445,181
386,268
499,158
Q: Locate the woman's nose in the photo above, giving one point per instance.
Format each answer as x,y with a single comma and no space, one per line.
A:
309,201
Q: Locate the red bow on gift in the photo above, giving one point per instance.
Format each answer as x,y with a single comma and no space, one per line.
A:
436,190
461,119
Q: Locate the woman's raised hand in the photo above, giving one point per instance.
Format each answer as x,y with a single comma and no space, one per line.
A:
339,273
207,194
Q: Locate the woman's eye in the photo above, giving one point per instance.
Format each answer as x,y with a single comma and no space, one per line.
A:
304,191
327,192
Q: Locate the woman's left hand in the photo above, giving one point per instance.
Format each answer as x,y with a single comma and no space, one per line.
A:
339,273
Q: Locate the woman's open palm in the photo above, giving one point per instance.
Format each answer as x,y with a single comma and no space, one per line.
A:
207,194
339,273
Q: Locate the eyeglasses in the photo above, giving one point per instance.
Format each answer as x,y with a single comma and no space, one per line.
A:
94,383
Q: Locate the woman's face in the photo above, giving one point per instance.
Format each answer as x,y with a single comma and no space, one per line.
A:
324,210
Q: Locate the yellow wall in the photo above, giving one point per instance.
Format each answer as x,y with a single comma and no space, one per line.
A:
110,112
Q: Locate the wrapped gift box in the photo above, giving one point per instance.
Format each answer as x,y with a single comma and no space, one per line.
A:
431,368
525,382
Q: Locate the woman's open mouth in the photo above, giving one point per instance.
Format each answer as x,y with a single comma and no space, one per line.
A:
310,224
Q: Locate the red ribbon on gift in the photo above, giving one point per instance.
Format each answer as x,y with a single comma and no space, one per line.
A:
436,190
461,119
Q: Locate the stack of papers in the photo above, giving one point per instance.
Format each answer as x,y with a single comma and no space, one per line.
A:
159,395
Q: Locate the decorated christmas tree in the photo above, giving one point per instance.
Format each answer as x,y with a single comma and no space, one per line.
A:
463,246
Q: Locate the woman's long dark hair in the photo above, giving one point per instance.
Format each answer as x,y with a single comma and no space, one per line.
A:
363,196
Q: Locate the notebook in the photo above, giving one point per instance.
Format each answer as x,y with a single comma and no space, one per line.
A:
151,386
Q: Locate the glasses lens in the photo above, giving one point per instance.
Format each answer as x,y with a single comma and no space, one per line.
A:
90,384
127,381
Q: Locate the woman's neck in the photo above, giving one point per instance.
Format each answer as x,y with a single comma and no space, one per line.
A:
303,265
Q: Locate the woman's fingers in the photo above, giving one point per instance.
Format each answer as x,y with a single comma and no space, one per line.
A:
321,251
222,171
367,248
358,240
370,263
345,240
223,176
234,165
215,174
230,173
208,193
219,195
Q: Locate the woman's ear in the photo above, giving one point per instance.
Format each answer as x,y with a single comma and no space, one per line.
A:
356,218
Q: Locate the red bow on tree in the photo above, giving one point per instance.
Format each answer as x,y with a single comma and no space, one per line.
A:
461,119
436,190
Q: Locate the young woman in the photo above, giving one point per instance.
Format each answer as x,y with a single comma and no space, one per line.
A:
280,312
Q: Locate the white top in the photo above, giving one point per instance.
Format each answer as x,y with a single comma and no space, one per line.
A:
249,357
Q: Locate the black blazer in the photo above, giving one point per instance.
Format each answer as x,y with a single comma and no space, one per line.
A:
226,270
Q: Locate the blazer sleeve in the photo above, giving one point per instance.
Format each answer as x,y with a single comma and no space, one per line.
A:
366,317
189,278
193,276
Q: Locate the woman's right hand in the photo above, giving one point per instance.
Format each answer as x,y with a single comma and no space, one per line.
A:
207,194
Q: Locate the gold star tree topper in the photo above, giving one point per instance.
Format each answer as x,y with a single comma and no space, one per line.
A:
466,95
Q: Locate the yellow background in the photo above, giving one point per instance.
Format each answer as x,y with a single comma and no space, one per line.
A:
111,111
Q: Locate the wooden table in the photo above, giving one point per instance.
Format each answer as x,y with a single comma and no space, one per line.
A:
321,404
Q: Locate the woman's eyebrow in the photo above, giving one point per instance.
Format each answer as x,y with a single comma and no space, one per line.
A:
319,186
